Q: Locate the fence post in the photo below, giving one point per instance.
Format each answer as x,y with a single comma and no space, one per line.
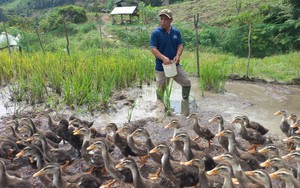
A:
196,20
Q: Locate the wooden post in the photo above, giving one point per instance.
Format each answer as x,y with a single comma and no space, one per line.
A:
100,32
38,35
127,39
196,20
67,37
249,50
7,40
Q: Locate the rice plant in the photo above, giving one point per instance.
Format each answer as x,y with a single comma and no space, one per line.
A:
167,96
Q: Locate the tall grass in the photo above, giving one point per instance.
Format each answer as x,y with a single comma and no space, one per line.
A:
84,78
215,68
89,77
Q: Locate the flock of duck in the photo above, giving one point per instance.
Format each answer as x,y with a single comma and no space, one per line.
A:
208,160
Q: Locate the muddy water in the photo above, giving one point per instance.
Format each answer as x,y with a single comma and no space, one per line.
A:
257,101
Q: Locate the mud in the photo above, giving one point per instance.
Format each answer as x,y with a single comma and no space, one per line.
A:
139,105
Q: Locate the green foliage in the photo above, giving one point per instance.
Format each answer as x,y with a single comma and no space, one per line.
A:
147,13
74,14
54,18
213,76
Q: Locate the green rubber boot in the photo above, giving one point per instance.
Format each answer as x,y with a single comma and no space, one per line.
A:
186,92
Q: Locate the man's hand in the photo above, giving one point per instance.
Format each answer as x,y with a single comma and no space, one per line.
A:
176,59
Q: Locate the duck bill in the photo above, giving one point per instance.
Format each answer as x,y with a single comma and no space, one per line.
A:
277,113
39,173
287,139
288,156
132,134
295,125
218,158
263,151
120,165
91,147
212,120
76,132
274,176
249,173
220,134
188,163
154,150
20,154
265,164
212,172
233,121
175,139
29,139
168,126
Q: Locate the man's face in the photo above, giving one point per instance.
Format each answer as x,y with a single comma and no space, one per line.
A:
165,22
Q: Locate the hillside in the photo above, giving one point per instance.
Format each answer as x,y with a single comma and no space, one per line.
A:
223,24
210,11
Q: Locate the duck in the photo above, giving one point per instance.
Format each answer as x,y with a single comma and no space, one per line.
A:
174,123
252,136
179,174
31,129
260,177
74,181
87,140
57,155
36,152
204,181
67,135
61,128
271,150
294,156
140,181
220,120
243,179
225,171
296,124
284,125
293,118
156,157
277,163
255,125
8,148
137,147
287,177
123,175
190,154
201,131
85,123
295,140
247,159
119,140
29,126
8,181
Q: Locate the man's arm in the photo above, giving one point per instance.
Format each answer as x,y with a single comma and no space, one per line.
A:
159,55
178,54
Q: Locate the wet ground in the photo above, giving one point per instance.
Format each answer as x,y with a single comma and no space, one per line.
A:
257,101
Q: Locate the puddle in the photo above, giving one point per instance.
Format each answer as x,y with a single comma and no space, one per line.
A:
258,102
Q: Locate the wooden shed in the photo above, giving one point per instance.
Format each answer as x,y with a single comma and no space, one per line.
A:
126,10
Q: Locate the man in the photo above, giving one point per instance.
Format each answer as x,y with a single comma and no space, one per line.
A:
166,45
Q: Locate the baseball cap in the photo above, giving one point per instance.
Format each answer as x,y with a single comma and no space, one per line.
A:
166,12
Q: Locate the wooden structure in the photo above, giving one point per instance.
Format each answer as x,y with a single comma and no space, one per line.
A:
126,10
